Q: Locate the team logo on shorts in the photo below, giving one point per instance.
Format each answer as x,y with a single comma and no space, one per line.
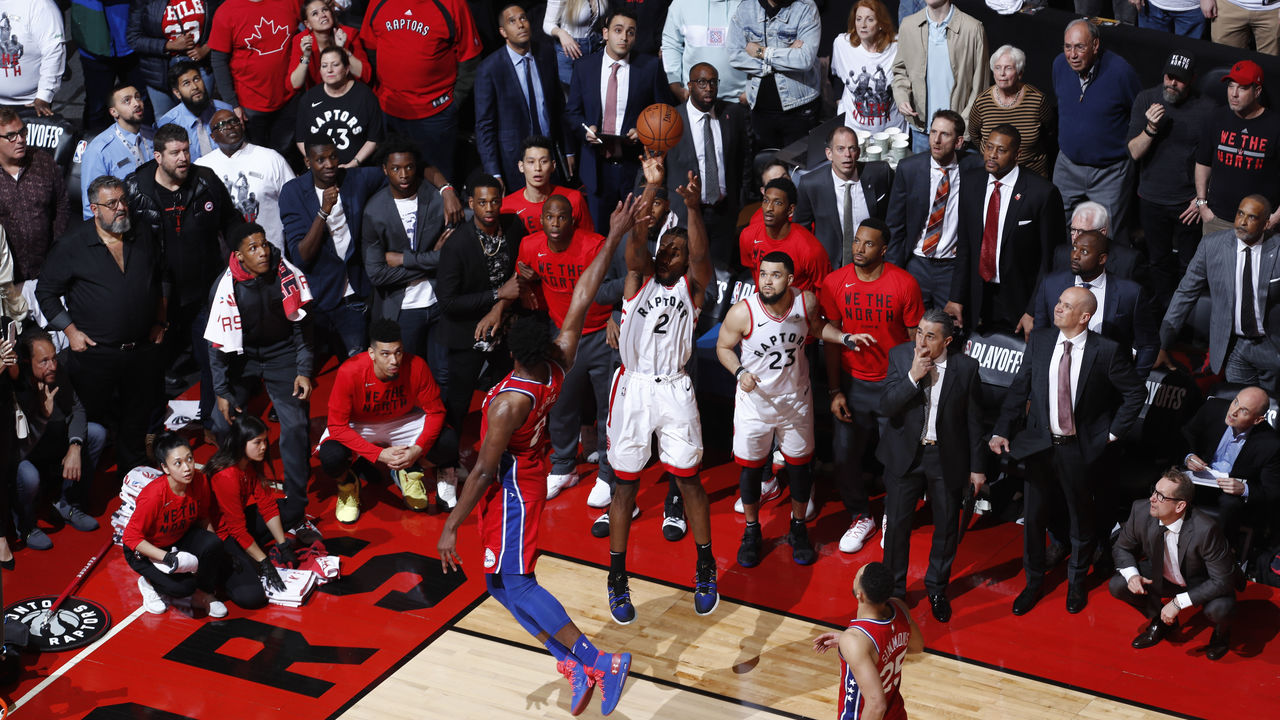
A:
77,622
489,558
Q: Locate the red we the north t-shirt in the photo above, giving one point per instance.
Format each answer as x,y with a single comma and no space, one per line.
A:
558,273
418,49
530,213
256,35
884,307
162,517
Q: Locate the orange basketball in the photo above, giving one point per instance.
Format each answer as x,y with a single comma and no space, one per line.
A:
659,127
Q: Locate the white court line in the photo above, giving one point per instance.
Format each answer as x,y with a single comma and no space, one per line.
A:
73,661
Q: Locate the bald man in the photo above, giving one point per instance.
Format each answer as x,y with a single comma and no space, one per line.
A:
1084,395
252,174
1231,438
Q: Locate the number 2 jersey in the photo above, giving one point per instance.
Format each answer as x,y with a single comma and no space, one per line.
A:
656,336
890,639
773,348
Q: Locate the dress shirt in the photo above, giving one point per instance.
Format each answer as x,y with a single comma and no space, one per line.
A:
1256,250
860,211
198,130
1098,286
33,211
1170,532
115,152
1229,447
935,394
340,231
696,120
624,81
950,221
1077,354
518,61
1006,196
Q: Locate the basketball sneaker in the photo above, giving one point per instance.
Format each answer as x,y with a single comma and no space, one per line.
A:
412,488
802,551
749,549
556,483
306,533
620,607
211,605
857,534
601,495
581,682
447,487
705,597
152,601
347,509
768,491
610,673
673,523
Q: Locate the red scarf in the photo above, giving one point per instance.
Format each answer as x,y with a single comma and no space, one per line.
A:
290,292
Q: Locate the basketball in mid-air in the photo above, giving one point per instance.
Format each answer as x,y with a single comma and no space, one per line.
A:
659,127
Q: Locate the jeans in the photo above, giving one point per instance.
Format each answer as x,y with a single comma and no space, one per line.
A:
46,459
342,330
1189,23
435,136
564,64
420,328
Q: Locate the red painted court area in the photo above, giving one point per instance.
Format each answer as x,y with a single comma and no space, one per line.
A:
316,661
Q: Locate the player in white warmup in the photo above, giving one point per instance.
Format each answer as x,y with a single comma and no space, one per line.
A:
652,394
774,398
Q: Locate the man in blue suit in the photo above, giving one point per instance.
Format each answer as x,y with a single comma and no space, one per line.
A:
505,112
609,90
1125,314
322,210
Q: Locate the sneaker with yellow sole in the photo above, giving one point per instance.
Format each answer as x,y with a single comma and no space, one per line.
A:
347,509
412,487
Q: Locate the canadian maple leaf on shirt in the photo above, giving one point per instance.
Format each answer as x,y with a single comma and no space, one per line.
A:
267,38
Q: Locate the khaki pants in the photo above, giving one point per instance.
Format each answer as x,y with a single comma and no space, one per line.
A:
1235,26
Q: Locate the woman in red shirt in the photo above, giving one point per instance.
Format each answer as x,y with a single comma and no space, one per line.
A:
169,540
323,31
244,510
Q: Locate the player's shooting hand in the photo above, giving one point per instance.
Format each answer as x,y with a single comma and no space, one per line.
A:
447,547
1138,585
840,407
998,444
655,173
302,387
692,192
825,642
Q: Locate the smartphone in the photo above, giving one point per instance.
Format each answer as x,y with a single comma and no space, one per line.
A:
11,332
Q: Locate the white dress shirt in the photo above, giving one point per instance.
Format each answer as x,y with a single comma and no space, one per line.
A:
950,220
624,78
1174,564
1099,290
1077,354
697,119
935,394
860,211
1256,250
1006,197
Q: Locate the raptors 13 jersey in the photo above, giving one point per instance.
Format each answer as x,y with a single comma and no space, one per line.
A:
657,328
773,348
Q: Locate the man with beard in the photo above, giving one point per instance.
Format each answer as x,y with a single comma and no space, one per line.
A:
194,112
1164,127
187,210
257,173
113,316
121,148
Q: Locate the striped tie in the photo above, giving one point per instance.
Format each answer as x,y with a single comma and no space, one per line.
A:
933,231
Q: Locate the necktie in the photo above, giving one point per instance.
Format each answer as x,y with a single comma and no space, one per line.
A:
1066,421
533,98
990,236
711,176
206,144
1248,313
1171,571
611,102
846,225
926,386
933,231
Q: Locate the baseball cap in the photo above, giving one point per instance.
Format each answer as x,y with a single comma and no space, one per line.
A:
1245,72
1181,65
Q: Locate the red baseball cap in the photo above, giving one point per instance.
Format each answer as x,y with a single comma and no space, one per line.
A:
1245,72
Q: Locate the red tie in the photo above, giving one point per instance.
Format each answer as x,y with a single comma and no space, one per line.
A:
990,235
933,231
1066,420
611,102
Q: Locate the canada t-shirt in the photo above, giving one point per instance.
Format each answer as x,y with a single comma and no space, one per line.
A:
1243,157
884,307
350,120
807,254
419,44
530,213
558,273
256,35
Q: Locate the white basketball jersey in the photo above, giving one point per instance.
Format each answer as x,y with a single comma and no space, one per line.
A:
658,322
773,349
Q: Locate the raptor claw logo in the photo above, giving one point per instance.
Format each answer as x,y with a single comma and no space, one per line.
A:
267,38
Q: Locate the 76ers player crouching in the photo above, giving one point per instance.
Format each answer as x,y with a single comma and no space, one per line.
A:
510,478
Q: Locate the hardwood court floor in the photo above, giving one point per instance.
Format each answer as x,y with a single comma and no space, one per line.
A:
740,662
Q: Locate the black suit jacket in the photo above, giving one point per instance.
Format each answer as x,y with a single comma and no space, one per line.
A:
463,285
1259,460
1204,558
910,202
383,232
1033,224
1109,396
817,198
734,161
502,117
1122,261
959,421
1127,315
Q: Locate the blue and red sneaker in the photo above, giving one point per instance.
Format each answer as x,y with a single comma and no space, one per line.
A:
610,673
580,680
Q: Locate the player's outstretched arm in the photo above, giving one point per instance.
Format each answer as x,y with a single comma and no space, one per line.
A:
507,412
819,327
639,261
734,327
621,221
859,654
915,643
700,270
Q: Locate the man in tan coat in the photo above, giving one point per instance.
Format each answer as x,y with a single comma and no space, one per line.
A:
941,65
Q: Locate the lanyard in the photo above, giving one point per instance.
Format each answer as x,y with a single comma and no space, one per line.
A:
132,146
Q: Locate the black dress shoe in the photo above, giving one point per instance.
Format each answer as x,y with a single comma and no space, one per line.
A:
1077,598
9,564
1218,644
1154,633
941,607
1027,599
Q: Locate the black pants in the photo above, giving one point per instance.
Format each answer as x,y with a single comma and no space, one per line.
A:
780,128
901,496
1062,469
466,367
122,390
335,458
273,129
1219,610
241,577
1170,245
850,441
199,542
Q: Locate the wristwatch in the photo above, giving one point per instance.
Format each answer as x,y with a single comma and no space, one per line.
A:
1201,202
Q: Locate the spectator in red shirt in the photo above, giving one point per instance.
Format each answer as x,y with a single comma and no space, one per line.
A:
245,510
420,45
250,39
322,32
883,300
538,165
776,232
169,539
385,408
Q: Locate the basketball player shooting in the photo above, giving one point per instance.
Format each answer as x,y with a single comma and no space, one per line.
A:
651,392
774,399
510,479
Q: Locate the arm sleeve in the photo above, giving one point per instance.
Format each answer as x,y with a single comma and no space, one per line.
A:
142,521
673,47
142,43
226,493
53,53
486,96
77,420
55,281
808,30
219,370
92,167
450,284
222,77
340,429
738,56
551,20
302,346
428,400
380,273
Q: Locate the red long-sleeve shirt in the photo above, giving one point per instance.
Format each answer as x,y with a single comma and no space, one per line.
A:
162,517
359,396
233,491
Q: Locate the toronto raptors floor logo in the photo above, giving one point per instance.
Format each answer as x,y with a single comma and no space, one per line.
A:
77,622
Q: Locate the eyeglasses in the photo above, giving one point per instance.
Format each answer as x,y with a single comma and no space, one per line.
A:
228,123
1076,231
115,204
1161,497
13,136
704,82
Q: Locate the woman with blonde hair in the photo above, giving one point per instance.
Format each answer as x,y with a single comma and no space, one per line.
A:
862,59
1012,101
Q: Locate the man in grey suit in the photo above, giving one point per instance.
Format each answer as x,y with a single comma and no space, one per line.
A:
1244,333
839,194
401,237
1186,560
